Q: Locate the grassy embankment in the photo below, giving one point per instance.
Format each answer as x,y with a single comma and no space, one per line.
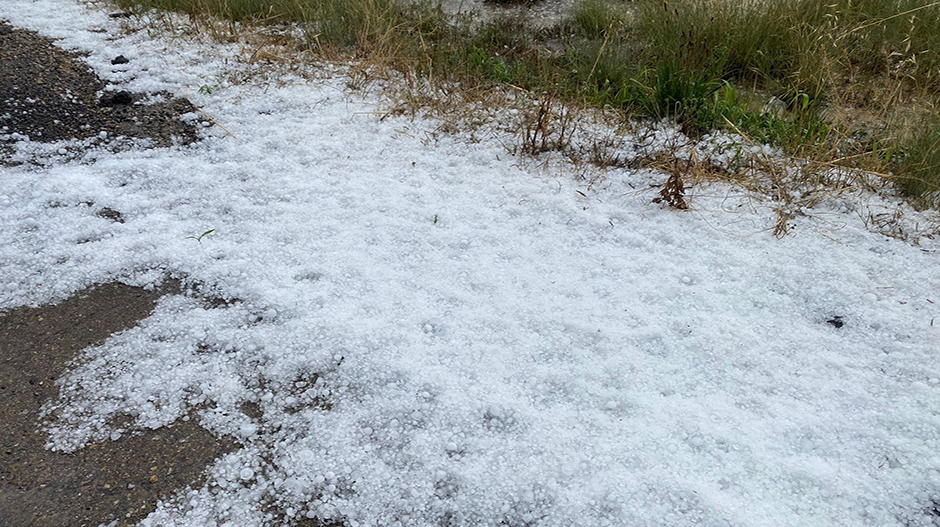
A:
851,83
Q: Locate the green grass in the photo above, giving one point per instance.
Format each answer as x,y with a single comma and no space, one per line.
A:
916,165
706,64
797,46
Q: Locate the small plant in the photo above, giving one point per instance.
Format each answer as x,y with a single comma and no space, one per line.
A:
688,98
201,236
673,192
546,128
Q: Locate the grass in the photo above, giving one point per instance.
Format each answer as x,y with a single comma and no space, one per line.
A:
705,64
597,18
916,166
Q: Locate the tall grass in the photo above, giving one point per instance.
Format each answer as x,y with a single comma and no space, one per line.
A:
797,46
916,165
595,18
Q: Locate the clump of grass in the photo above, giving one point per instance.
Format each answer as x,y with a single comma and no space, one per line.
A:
916,165
753,43
691,98
595,18
797,47
547,127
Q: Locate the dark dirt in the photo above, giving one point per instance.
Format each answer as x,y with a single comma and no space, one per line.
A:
49,95
115,480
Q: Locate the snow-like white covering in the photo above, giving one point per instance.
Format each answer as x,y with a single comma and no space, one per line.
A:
437,336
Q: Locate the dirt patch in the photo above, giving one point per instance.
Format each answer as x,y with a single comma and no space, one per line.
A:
102,483
49,94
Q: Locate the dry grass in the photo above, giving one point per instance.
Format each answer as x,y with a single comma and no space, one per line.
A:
547,127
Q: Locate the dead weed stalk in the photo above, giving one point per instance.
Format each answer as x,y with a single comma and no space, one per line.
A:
549,127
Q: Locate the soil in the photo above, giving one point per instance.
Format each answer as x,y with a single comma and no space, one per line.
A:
51,95
102,483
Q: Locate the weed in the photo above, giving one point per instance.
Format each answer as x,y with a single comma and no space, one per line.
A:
604,153
547,127
673,192
201,236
